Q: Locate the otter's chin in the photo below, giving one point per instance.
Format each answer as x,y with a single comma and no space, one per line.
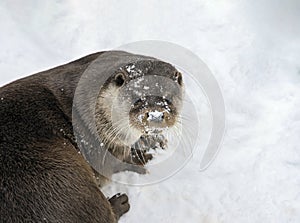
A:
153,131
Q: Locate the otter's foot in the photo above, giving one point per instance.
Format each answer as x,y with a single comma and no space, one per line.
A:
120,205
135,162
140,157
147,142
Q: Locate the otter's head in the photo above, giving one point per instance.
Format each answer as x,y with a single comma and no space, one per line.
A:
140,98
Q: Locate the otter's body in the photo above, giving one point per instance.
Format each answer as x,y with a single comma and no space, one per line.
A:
43,177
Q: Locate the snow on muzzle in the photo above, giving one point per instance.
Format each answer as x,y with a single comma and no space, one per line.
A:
153,102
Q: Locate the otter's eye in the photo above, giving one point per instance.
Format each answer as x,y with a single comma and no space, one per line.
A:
120,79
178,77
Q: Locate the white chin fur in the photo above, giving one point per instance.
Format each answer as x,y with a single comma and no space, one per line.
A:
128,135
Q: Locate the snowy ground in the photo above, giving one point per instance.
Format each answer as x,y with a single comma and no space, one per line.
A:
253,49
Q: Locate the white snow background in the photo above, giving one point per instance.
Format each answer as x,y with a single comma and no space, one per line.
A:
252,48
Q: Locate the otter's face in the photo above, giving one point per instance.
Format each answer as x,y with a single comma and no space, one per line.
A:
145,98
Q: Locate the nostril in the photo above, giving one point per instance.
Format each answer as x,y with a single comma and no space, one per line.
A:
147,115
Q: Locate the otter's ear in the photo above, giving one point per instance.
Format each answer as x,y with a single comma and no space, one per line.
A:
178,77
120,79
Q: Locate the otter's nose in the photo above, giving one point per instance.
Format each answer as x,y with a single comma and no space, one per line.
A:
155,116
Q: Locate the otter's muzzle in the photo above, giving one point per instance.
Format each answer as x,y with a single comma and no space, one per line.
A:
152,114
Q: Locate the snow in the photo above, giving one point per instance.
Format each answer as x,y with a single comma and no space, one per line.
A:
252,47
155,115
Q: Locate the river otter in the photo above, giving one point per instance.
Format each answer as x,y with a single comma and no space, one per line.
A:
44,175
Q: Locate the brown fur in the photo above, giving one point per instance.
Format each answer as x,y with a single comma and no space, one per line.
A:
43,178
